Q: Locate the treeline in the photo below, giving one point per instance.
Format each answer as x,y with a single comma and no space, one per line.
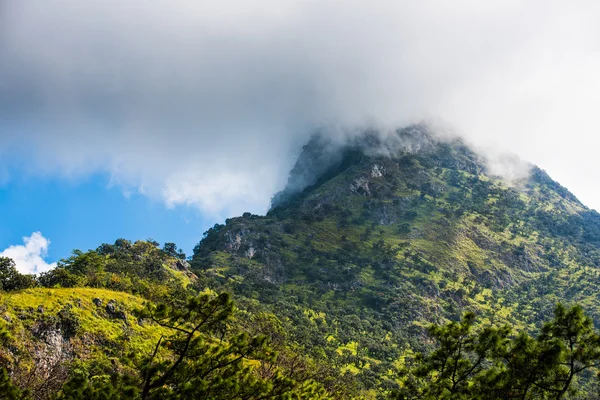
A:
141,268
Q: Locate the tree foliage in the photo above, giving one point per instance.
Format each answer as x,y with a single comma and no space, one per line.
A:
489,363
11,279
197,358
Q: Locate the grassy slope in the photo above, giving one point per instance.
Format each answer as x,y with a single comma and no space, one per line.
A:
35,317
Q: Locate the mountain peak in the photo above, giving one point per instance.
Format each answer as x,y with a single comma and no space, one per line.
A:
323,157
384,233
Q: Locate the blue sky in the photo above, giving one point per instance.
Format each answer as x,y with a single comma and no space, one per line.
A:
85,213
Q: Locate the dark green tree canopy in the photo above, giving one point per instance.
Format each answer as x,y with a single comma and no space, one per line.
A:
492,363
11,279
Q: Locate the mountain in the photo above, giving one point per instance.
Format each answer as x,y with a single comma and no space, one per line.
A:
378,236
332,294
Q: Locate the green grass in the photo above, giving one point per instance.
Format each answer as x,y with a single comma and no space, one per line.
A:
24,310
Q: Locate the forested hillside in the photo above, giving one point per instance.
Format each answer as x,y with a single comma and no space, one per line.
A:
128,321
391,266
375,239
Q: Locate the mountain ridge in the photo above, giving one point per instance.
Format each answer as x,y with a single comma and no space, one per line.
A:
335,288
398,232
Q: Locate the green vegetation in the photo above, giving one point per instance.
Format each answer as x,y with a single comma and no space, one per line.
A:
335,291
195,358
68,334
399,234
11,279
494,363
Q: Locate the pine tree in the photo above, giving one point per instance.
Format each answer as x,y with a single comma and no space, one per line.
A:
489,364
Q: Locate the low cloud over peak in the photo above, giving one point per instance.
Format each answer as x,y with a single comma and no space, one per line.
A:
206,104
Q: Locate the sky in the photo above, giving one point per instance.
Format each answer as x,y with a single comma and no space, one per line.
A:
137,119
58,216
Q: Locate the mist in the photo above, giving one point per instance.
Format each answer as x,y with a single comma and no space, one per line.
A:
207,105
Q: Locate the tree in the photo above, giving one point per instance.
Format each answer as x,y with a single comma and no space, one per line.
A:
517,368
200,359
573,332
198,366
488,364
450,370
196,358
11,279
59,277
172,250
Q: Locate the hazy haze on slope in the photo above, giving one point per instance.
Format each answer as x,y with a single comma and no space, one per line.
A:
206,104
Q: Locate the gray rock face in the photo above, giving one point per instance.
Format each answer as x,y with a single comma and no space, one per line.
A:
52,349
97,302
360,186
113,311
250,252
233,241
182,265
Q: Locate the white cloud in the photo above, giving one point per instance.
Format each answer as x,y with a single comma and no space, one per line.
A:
29,257
205,103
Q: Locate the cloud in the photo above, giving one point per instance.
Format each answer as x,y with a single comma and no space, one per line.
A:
29,257
206,104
